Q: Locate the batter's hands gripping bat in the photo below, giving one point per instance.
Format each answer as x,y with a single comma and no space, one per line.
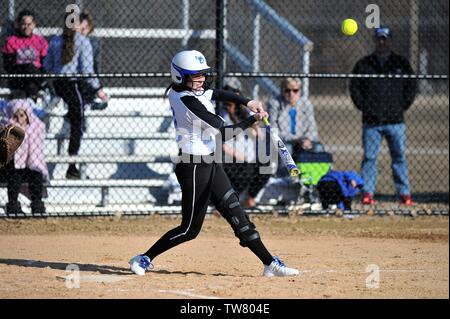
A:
283,151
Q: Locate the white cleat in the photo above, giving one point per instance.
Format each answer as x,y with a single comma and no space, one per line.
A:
278,269
140,264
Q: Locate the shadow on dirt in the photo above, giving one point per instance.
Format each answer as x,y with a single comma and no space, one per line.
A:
103,269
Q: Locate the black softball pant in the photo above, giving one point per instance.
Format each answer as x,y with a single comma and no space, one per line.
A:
70,92
201,183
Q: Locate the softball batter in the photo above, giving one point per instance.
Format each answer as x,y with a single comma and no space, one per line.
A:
201,178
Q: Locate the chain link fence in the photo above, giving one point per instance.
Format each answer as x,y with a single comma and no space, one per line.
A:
123,162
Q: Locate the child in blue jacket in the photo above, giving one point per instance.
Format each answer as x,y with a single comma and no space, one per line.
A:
339,188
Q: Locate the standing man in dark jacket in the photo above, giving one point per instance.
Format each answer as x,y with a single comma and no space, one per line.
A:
383,104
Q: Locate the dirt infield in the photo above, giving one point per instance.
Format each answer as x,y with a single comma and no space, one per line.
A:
367,257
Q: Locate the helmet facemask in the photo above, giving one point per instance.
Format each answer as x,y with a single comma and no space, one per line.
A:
186,66
191,82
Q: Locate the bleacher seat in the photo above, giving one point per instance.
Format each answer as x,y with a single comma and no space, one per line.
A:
125,154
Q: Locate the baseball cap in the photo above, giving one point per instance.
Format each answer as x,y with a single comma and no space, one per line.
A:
383,32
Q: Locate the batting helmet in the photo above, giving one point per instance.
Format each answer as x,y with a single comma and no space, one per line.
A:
186,63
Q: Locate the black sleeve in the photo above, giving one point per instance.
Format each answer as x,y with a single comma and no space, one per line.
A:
410,86
245,124
196,107
229,96
356,90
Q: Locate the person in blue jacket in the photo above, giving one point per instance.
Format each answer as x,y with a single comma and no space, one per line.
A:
339,188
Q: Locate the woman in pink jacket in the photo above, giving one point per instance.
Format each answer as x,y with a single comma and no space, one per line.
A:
24,53
29,161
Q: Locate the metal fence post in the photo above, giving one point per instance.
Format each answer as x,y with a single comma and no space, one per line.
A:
220,26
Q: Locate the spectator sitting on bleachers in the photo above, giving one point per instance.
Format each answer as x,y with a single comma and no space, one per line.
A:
71,52
86,29
29,160
240,154
38,110
24,53
293,116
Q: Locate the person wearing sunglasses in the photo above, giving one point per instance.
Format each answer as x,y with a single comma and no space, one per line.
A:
383,103
293,116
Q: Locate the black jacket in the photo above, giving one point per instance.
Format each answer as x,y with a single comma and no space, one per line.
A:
383,101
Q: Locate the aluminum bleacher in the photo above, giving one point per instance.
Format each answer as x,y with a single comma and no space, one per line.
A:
124,155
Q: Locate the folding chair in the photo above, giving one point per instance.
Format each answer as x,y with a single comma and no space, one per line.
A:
312,167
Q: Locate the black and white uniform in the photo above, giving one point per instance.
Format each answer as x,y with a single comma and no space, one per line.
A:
202,179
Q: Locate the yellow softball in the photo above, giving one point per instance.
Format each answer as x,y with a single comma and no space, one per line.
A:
349,27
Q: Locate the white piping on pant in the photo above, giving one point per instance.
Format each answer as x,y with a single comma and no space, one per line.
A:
193,204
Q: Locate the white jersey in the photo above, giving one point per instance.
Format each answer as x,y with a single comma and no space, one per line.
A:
196,124
196,130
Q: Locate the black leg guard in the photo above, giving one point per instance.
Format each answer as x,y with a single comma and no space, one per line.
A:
231,209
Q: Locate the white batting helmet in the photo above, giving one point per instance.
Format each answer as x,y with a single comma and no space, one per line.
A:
186,63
